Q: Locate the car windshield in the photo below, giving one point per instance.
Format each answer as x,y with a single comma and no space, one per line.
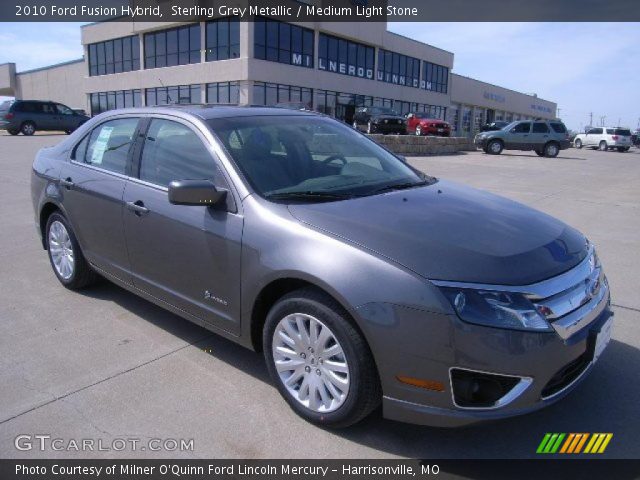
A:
382,111
509,126
311,158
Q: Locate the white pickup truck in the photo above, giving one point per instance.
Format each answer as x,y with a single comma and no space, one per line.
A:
605,138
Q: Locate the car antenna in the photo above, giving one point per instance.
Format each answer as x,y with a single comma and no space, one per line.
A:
169,101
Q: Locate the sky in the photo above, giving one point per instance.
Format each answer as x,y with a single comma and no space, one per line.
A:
583,67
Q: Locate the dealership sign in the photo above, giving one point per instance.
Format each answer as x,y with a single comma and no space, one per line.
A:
344,68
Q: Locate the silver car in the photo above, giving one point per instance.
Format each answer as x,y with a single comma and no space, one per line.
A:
362,280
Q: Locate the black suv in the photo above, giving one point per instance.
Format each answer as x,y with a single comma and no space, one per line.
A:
27,116
379,120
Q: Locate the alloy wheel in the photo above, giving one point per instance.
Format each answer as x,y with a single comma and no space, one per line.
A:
310,362
61,250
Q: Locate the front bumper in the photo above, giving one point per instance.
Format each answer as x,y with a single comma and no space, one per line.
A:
427,346
389,127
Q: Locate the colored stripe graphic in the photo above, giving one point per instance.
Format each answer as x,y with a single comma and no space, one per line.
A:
574,443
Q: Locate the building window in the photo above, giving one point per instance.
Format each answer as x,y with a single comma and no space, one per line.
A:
223,39
177,46
345,57
273,93
172,95
103,101
284,43
399,69
435,77
114,56
223,92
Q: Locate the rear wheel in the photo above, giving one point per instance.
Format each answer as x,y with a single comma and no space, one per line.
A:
495,147
66,258
551,150
28,128
319,362
602,146
577,143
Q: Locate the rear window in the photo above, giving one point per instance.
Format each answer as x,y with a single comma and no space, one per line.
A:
610,131
558,127
539,127
623,131
6,104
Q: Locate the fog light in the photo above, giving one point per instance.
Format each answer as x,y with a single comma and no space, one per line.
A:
473,389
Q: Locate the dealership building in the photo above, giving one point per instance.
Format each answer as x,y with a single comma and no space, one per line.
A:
331,67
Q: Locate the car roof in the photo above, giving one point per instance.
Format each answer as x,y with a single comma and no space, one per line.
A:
208,112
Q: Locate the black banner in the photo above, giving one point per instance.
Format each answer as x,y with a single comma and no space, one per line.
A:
318,469
322,10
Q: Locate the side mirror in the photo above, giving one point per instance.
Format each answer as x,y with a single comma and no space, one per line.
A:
195,192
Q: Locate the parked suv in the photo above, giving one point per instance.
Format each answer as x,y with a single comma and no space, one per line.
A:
419,124
545,137
362,280
378,120
605,138
28,116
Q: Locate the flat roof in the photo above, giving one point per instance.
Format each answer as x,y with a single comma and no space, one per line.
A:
55,65
500,86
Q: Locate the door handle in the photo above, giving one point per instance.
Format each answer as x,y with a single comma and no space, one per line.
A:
66,182
138,208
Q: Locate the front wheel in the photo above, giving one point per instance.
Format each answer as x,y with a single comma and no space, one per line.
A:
66,258
603,146
577,143
495,147
319,362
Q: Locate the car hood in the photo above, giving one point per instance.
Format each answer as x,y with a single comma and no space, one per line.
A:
386,117
447,231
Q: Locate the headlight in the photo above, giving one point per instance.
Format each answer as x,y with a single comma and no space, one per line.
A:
496,309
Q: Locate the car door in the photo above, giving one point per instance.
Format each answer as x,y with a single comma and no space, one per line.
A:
67,118
188,256
92,184
540,135
412,121
518,137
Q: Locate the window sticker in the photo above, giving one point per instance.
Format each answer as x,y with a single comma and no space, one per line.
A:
101,145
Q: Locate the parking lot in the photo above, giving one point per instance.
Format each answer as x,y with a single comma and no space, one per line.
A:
105,364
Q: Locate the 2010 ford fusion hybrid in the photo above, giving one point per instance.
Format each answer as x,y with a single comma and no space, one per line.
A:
363,280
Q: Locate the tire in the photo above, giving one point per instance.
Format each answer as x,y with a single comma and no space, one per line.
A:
418,131
59,235
602,146
485,150
551,150
577,143
13,131
539,153
495,147
28,128
328,405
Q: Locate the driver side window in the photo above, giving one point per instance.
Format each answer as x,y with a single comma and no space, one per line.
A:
173,151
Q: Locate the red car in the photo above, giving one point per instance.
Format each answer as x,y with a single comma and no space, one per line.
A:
419,123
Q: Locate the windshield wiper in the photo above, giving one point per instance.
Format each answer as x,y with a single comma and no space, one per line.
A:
399,186
307,195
